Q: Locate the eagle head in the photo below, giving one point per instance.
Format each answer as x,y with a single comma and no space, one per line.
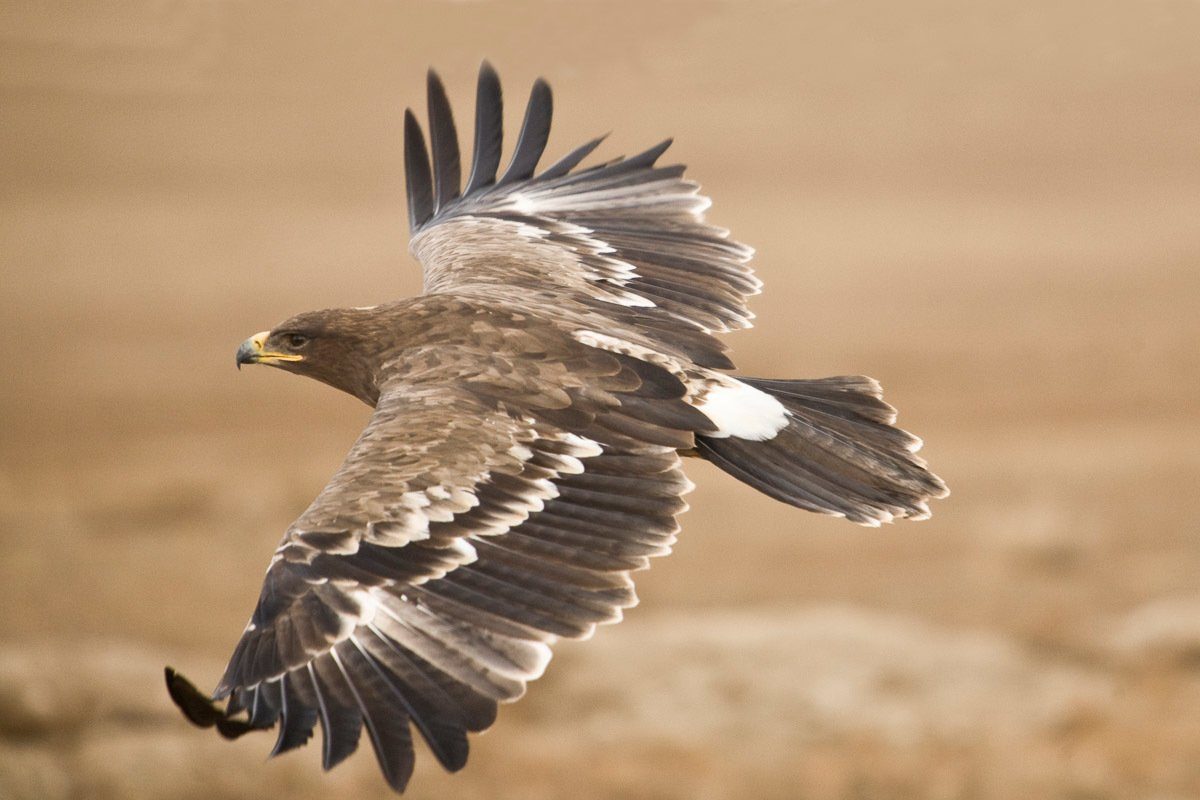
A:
332,346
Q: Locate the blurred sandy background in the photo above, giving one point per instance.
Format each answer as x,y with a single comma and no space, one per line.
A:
992,207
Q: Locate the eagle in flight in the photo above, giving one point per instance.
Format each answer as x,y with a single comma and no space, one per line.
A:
523,459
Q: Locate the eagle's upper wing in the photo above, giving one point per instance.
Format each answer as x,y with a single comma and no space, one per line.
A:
466,530
624,234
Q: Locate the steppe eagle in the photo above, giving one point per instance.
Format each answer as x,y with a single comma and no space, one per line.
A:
523,458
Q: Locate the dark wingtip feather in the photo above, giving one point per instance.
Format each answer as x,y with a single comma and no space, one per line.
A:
417,175
443,142
535,132
647,158
489,129
571,160
296,732
341,729
619,166
200,710
298,716
643,160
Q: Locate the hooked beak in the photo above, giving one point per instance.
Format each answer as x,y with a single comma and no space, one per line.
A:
251,352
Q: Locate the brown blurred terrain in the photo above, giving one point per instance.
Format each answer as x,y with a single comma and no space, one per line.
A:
991,207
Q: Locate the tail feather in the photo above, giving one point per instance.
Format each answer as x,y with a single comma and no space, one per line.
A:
838,454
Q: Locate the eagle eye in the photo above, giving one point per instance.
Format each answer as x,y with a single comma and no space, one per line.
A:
296,340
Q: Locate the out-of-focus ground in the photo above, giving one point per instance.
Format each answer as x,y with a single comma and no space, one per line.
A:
992,207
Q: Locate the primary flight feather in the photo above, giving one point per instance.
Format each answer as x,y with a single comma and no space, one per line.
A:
531,408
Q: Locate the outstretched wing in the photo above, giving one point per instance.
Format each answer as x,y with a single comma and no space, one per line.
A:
624,234
466,530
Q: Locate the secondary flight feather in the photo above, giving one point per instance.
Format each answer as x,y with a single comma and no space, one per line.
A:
523,458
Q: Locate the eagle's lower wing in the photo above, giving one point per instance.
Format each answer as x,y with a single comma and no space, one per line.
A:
466,530
625,235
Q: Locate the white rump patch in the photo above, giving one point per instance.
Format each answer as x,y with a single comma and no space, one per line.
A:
738,409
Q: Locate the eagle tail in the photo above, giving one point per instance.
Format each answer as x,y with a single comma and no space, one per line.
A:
836,451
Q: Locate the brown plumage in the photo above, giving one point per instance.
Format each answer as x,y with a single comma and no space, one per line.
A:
523,459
